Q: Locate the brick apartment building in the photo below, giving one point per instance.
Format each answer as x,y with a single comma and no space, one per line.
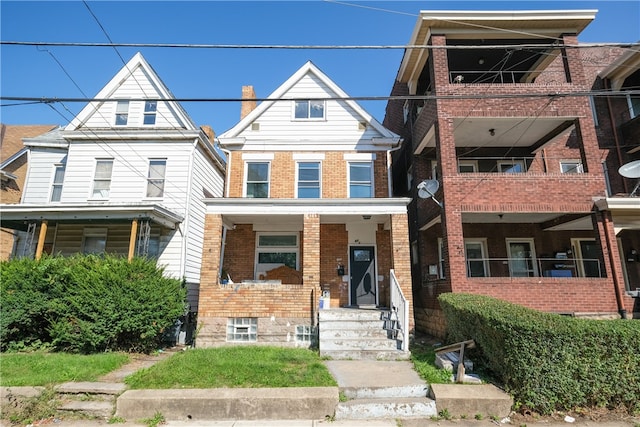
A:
307,212
498,130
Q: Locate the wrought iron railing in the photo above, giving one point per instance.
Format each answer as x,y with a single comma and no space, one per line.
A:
400,309
534,267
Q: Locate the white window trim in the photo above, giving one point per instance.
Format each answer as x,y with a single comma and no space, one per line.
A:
246,175
298,176
53,181
146,113
116,112
534,261
511,162
472,163
94,232
308,118
164,178
483,250
259,249
93,180
371,178
579,167
359,157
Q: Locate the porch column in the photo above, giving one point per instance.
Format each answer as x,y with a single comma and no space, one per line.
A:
611,259
402,260
209,296
311,248
132,239
41,236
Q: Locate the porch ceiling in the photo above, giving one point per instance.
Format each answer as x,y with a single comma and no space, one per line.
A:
581,223
295,221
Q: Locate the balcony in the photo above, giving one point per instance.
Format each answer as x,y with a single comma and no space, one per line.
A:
534,267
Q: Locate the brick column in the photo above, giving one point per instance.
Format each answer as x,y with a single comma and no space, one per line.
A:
311,248
210,264
611,261
402,260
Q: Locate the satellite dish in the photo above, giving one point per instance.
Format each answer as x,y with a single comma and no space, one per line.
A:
428,188
630,170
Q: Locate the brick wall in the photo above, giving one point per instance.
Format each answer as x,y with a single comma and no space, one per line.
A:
283,175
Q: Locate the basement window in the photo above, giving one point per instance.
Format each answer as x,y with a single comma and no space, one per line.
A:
304,333
242,329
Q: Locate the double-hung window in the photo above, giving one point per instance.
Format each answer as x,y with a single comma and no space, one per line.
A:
56,185
571,166
257,179
150,108
276,249
122,113
102,179
308,180
360,179
309,109
156,177
515,166
475,254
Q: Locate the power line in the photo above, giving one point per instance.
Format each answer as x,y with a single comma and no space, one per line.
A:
320,47
618,93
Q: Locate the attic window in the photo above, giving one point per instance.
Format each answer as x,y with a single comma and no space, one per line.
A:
150,108
122,113
311,109
255,126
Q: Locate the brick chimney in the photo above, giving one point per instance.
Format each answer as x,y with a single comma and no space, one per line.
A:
208,130
248,104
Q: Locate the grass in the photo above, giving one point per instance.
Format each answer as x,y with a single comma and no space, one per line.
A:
40,369
238,366
424,361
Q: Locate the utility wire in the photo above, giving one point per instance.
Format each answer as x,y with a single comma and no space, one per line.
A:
634,46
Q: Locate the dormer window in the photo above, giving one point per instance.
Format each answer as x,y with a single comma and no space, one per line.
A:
150,108
122,113
306,110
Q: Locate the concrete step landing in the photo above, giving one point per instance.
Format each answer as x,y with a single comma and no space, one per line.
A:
407,407
95,399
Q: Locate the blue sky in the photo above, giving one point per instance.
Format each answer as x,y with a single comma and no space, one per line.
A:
68,72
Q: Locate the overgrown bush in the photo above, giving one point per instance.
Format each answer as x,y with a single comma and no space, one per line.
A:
546,361
87,303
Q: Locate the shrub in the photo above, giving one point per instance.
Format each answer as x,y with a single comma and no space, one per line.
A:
87,303
546,361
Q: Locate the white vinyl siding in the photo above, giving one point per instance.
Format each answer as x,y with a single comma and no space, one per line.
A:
341,121
40,174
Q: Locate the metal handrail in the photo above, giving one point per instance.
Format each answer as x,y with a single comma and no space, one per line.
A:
400,307
545,267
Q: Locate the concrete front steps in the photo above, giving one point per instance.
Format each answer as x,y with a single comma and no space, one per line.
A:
372,389
94,399
354,334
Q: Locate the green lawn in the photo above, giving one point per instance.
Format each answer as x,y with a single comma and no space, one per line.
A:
39,369
238,366
423,358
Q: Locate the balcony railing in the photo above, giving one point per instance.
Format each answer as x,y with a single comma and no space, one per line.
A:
534,267
519,165
505,76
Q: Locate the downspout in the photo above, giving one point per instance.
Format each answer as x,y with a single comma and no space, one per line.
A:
187,222
615,133
389,162
222,249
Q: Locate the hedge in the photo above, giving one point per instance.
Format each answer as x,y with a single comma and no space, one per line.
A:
87,304
549,362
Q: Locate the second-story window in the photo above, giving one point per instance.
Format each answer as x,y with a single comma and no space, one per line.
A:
257,179
56,185
150,108
309,110
156,176
122,113
360,179
308,180
571,166
102,179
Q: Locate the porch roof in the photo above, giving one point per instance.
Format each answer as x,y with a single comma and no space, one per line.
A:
625,212
248,210
16,216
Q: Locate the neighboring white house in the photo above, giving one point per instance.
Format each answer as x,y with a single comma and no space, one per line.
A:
126,176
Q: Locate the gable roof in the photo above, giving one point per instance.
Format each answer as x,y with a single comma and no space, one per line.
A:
281,91
155,89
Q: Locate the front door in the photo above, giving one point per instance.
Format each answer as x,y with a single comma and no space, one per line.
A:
363,282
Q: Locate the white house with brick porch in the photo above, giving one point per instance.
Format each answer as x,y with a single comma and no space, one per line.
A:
307,213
